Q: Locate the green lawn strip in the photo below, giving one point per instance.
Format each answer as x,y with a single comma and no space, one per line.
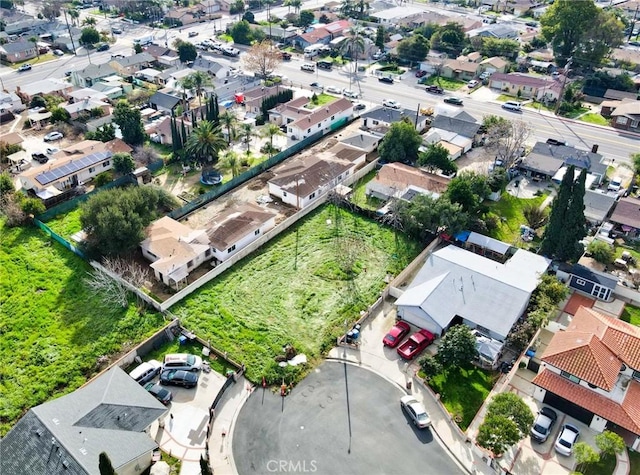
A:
463,391
67,224
52,329
510,210
217,364
605,466
594,118
359,196
631,315
634,462
322,99
445,83
534,105
271,298
575,113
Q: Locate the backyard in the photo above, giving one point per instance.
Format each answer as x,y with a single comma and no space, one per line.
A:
66,224
53,330
463,391
298,289
631,315
510,210
359,196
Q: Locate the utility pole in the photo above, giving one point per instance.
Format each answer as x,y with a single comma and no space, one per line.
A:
564,83
633,23
69,30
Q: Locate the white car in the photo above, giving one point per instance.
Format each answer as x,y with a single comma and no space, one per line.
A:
51,136
391,103
58,52
52,150
350,94
566,440
473,83
416,411
334,89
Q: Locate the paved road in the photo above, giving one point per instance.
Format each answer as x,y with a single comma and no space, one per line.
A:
341,419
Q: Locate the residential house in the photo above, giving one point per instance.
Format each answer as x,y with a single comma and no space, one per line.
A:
44,87
66,435
253,98
464,70
91,74
316,36
10,101
545,161
237,227
112,86
434,18
213,68
130,65
321,119
614,94
626,116
165,102
626,216
174,250
457,133
162,129
456,285
527,87
305,178
499,31
86,106
73,166
597,206
362,141
590,371
11,138
337,28
290,111
396,180
392,16
148,75
516,7
184,16
379,119
18,51
278,33
626,55
588,280
225,5
492,65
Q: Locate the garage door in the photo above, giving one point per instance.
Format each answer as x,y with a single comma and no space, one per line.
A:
568,407
421,321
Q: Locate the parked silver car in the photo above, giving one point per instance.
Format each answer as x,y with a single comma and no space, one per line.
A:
543,424
567,439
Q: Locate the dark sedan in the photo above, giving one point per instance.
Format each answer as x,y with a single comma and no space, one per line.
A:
386,80
161,394
453,100
179,377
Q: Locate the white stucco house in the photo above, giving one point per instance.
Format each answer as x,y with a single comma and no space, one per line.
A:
457,285
320,119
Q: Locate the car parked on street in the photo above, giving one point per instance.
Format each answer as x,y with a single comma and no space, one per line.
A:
386,80
58,52
192,34
420,73
161,394
334,89
285,56
309,67
24,67
434,89
51,136
414,345
396,334
52,150
350,94
416,411
317,85
543,424
512,106
103,47
179,377
453,100
567,439
391,104
359,106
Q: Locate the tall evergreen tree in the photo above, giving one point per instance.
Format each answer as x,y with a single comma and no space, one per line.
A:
574,230
556,227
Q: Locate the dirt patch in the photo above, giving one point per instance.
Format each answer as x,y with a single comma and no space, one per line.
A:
477,160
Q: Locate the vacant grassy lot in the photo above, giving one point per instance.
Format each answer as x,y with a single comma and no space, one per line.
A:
67,224
631,315
462,391
52,331
273,298
594,118
444,83
510,209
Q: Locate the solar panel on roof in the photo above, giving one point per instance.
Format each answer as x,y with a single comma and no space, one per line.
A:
72,167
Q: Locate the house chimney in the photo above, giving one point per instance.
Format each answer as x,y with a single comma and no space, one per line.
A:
594,148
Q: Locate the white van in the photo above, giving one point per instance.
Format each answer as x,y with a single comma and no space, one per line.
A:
615,184
182,361
512,106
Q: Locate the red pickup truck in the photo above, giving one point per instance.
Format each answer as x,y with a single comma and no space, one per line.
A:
415,344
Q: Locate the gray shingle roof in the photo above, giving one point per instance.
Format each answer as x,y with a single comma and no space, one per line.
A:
388,115
166,101
548,159
18,47
140,58
454,124
597,205
67,435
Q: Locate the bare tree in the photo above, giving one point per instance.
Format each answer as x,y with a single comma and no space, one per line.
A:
507,139
145,155
262,59
107,281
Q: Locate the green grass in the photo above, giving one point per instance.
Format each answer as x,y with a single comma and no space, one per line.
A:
575,113
634,462
445,83
217,364
52,330
534,105
463,391
322,100
510,210
594,118
631,315
297,289
67,224
605,466
359,196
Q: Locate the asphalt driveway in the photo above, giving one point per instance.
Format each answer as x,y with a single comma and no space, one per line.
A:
340,419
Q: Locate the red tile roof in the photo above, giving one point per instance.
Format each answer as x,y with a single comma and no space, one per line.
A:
626,415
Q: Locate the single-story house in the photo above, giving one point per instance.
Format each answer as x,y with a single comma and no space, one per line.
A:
527,87
86,105
457,286
459,69
49,86
185,15
545,160
211,67
253,98
457,133
162,128
320,119
391,16
590,372
129,65
305,178
11,138
237,227
314,37
626,215
626,116
498,31
380,118
492,65
598,206
10,101
91,74
588,281
396,180
165,102
363,141
18,51
66,435
174,250
73,166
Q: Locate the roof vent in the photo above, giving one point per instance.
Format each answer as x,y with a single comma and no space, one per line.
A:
65,464
39,432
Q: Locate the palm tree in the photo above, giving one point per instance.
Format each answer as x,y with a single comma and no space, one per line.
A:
89,21
354,46
205,142
231,162
269,131
247,133
228,120
74,15
34,40
196,82
296,4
